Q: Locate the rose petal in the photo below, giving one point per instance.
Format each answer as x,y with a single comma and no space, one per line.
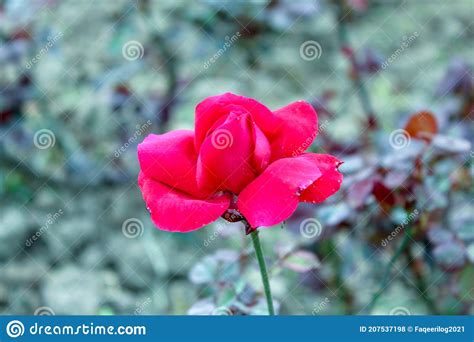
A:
212,108
170,159
296,128
330,181
262,151
175,211
274,195
225,158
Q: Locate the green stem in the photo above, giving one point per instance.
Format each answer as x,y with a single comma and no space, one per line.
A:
263,271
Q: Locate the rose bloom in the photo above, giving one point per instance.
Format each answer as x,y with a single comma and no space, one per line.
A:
242,157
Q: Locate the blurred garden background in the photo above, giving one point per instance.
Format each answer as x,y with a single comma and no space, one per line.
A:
83,82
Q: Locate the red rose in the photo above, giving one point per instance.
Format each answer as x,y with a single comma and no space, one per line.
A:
241,156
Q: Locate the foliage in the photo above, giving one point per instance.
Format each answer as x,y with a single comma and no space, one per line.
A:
393,87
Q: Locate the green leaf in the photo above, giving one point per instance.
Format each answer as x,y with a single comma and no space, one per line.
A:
301,261
450,255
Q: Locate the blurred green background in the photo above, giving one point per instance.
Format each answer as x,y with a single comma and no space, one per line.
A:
83,82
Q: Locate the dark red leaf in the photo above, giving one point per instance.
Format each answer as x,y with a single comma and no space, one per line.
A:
422,125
